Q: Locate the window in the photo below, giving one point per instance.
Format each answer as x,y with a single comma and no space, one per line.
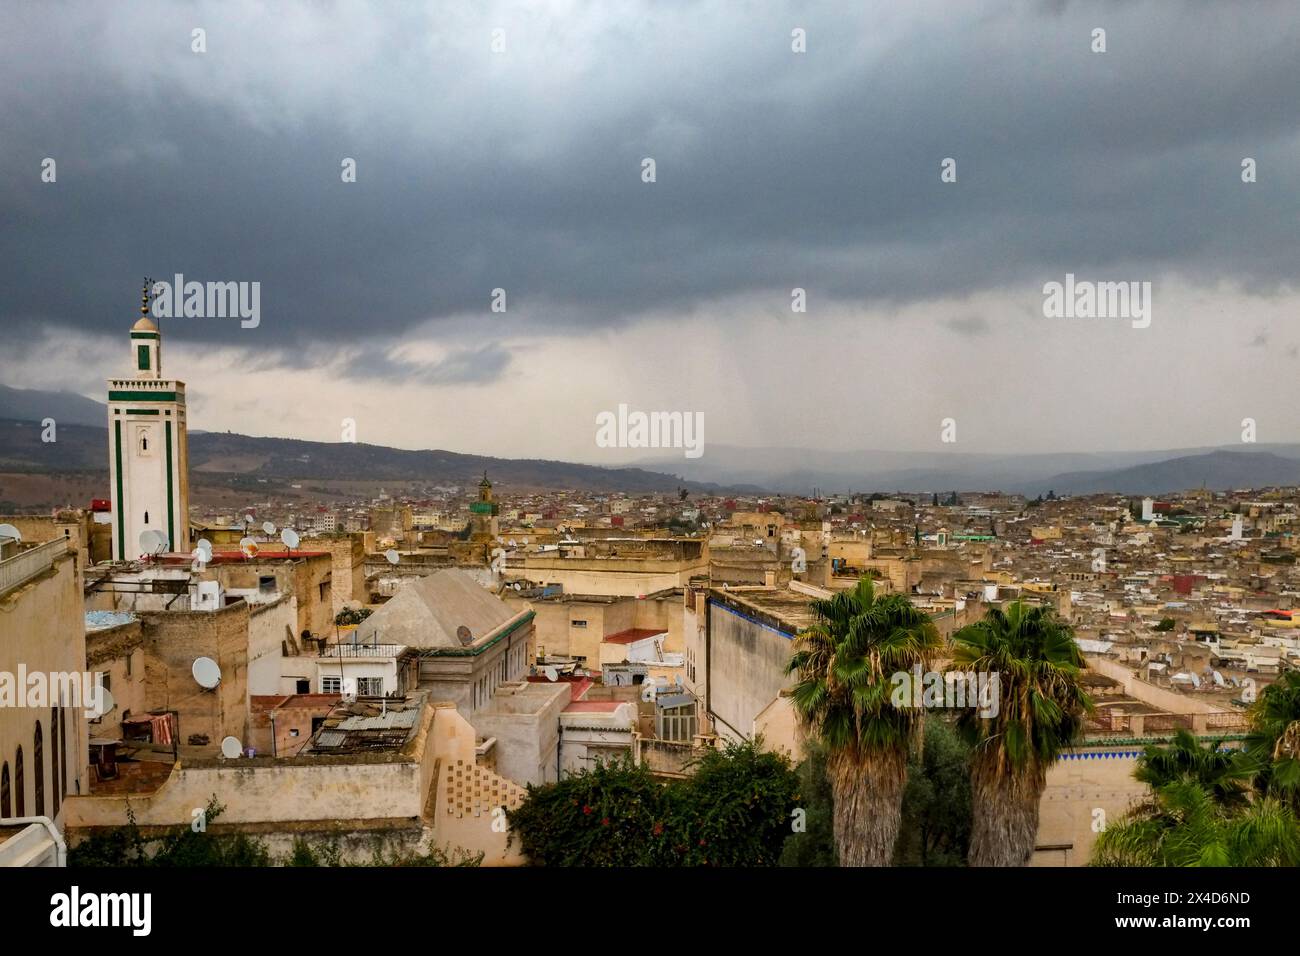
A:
20,795
38,760
142,357
370,686
677,723
5,806
331,685
54,760
293,731
304,686
577,624
63,750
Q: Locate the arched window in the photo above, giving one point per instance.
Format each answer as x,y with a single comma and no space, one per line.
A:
63,747
56,779
38,762
6,805
20,792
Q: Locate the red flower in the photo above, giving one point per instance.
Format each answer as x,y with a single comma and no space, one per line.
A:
659,829
605,822
586,810
702,842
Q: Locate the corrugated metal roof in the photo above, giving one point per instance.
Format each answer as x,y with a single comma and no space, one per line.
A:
330,738
392,719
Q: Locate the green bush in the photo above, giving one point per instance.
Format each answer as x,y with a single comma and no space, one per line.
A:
734,810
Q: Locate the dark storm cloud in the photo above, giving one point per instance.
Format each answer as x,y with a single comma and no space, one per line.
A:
468,366
522,170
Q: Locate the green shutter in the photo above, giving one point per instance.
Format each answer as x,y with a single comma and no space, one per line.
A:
142,357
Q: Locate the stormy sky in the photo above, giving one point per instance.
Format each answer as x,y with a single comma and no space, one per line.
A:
521,169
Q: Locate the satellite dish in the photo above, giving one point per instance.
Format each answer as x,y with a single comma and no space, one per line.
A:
200,558
231,747
206,672
290,538
517,586
464,635
9,531
249,547
268,527
100,702
153,542
1218,679
204,544
248,521
391,556
551,674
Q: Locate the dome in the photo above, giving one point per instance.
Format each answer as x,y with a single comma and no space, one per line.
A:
144,324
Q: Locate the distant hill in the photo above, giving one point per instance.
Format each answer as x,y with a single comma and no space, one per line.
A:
240,460
66,408
239,463
865,470
1219,470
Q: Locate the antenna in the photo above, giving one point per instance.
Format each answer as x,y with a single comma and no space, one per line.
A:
206,672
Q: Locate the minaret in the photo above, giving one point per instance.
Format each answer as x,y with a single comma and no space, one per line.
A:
148,453
484,513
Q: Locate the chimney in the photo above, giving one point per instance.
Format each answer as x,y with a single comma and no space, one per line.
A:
769,579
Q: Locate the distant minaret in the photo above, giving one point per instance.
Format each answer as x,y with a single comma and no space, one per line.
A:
148,453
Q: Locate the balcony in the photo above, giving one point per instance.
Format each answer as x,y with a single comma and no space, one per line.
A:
22,567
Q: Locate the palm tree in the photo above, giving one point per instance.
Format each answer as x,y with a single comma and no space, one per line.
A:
1225,774
1274,738
845,663
1040,710
1184,825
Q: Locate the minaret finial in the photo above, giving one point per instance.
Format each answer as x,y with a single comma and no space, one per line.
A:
144,297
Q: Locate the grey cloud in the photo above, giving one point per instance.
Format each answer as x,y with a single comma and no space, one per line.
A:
819,170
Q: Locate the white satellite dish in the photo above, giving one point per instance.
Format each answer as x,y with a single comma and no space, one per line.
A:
249,547
9,531
153,542
391,556
1218,679
231,747
100,702
200,558
290,538
268,527
204,544
206,672
551,674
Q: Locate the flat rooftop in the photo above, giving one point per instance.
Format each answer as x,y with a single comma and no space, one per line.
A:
791,608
